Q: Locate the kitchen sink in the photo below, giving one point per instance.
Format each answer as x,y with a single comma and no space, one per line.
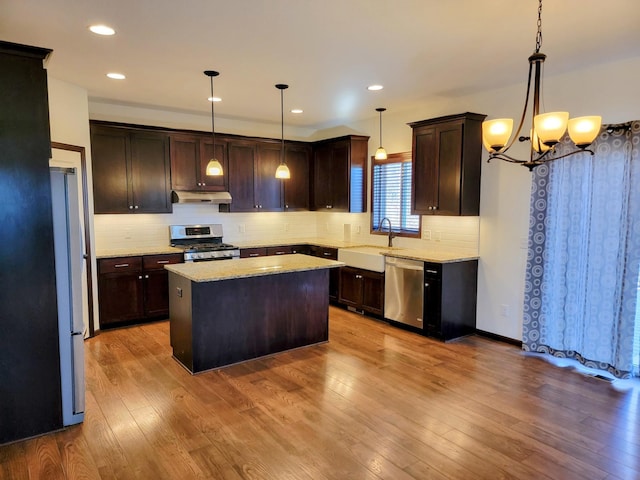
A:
367,257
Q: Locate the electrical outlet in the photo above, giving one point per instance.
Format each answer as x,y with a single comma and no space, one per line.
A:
426,234
241,228
358,229
438,236
504,310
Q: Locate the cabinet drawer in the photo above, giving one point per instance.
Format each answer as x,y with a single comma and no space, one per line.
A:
120,265
325,252
283,250
157,262
253,252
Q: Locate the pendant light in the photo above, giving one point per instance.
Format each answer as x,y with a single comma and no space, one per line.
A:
547,128
214,167
381,153
282,171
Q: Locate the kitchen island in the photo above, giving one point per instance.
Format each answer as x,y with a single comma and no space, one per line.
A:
225,312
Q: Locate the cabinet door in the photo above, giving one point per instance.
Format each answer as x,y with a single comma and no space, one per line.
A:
241,177
185,162
210,183
339,176
296,188
109,153
268,189
156,293
449,165
150,172
425,171
120,290
281,250
350,287
372,292
322,197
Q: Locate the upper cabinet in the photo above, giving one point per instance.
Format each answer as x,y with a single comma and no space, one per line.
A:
339,174
131,170
296,188
190,154
252,183
447,154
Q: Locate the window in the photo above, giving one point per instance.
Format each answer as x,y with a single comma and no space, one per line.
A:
391,194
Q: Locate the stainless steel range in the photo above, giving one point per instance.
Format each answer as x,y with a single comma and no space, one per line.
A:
202,243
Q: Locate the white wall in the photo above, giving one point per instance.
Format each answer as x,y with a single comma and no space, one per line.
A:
498,234
69,124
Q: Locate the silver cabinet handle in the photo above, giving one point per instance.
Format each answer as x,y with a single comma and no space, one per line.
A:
121,265
254,254
146,276
163,261
326,254
435,272
140,277
136,207
130,207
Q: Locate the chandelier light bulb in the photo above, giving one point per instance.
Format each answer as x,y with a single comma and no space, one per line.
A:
584,130
496,133
550,127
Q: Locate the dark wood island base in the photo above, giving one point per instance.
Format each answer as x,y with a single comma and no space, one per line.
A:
219,323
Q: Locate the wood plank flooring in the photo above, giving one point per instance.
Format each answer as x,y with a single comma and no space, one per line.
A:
375,402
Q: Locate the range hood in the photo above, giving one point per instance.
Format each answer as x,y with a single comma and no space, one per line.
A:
215,198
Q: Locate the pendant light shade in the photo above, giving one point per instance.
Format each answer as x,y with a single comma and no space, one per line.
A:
282,171
381,153
214,167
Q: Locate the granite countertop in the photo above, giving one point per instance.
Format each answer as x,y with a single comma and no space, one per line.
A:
136,251
250,267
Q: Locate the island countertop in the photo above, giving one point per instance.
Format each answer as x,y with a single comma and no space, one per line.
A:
249,267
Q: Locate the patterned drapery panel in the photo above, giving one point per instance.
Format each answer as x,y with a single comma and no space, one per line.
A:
583,264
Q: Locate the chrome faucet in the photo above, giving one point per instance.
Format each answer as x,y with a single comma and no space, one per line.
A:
391,234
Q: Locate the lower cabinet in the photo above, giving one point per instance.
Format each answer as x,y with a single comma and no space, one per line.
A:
450,292
134,288
362,289
329,253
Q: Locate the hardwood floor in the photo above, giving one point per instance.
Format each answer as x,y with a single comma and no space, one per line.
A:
375,402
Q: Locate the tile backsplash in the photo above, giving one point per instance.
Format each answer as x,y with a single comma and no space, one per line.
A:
458,234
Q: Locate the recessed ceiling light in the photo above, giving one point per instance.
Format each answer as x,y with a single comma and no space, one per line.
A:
374,88
102,30
296,110
116,76
214,99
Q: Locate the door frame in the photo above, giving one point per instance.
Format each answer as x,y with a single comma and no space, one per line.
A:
87,221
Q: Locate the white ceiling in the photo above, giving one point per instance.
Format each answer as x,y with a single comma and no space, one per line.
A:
328,51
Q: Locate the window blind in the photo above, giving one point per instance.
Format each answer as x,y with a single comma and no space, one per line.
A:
392,196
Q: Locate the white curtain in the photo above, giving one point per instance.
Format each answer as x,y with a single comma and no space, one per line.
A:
583,266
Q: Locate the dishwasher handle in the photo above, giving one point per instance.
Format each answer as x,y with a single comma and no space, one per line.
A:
405,264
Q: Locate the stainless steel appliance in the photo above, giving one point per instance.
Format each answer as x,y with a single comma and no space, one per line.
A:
202,243
404,291
69,258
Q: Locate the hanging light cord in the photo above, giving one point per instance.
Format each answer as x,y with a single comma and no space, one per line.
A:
539,34
282,125
380,127
213,120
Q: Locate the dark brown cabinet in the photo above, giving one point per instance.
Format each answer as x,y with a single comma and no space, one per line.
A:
329,253
446,165
362,289
190,154
296,188
450,291
253,252
30,398
133,288
339,174
252,183
131,170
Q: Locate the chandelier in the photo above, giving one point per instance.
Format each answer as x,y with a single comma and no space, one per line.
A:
546,128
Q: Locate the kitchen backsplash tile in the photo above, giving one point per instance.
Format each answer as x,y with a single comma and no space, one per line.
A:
455,234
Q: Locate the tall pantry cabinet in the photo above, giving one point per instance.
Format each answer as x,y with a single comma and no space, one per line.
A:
30,392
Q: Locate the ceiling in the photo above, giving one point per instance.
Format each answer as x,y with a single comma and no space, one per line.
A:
328,51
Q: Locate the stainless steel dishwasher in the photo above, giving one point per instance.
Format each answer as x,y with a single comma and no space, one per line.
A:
404,291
